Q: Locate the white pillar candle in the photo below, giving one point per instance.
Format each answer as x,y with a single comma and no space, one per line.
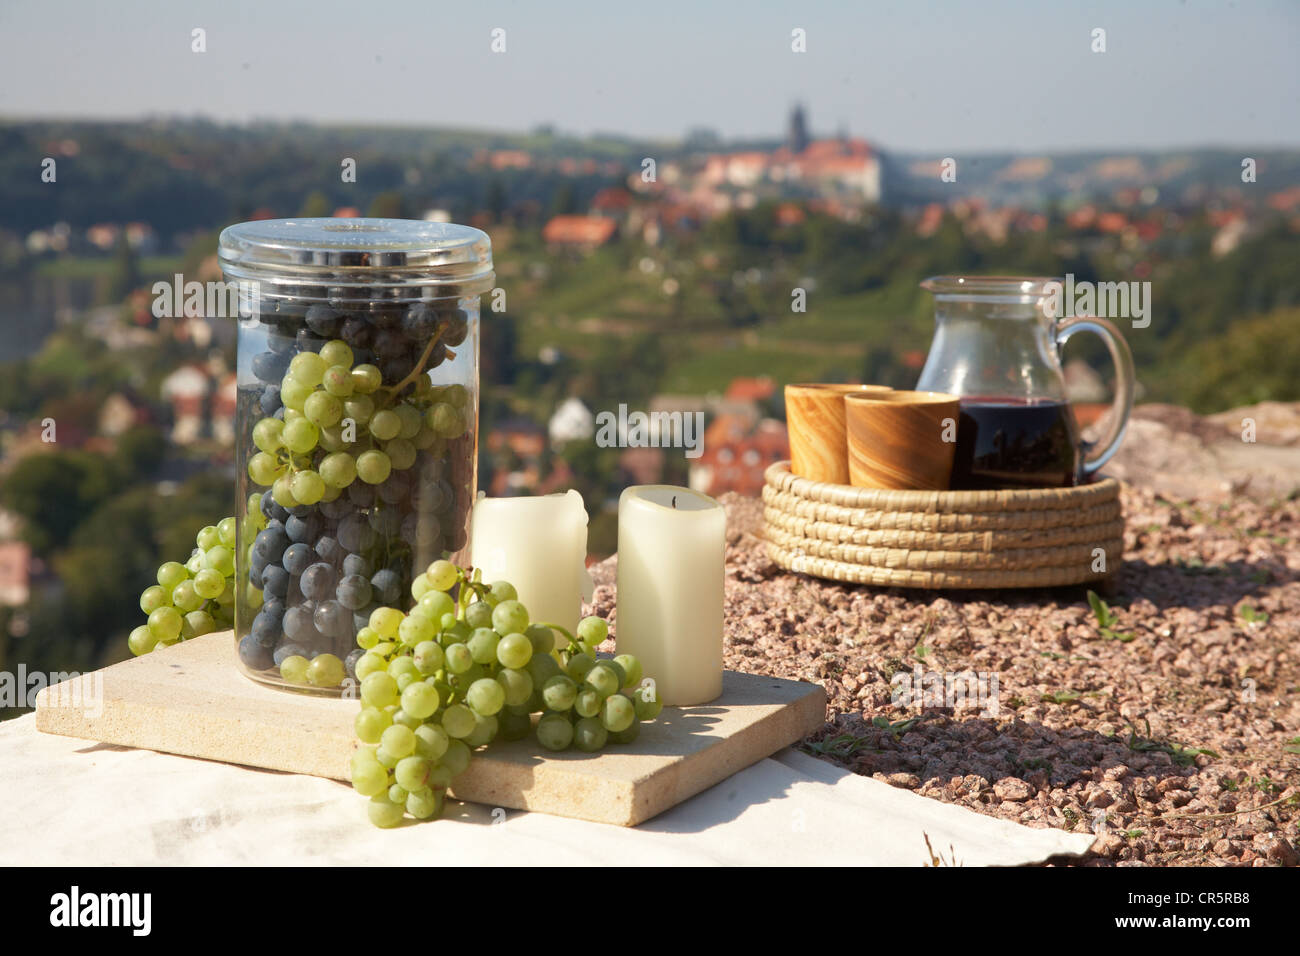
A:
670,566
538,544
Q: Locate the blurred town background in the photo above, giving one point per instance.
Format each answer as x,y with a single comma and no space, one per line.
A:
669,292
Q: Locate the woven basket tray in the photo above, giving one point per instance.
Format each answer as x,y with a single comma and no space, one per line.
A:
943,539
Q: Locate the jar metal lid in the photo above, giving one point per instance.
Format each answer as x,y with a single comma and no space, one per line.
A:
455,259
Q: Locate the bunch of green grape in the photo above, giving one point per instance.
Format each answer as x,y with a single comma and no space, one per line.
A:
193,598
589,701
340,423
456,673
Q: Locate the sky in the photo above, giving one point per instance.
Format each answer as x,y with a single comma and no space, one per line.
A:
910,76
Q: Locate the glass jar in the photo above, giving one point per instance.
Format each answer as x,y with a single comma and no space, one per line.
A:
356,428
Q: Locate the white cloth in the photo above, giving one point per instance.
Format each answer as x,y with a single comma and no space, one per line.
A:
75,802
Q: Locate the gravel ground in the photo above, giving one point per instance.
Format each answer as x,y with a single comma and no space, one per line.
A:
1085,732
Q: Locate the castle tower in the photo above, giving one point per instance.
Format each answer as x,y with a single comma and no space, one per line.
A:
797,137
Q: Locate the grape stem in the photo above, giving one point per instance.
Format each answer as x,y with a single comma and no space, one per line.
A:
419,366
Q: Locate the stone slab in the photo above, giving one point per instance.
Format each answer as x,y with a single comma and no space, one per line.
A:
190,699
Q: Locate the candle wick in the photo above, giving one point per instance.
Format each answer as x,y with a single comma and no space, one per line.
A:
674,501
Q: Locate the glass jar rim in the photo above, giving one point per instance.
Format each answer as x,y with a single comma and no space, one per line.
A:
359,252
964,288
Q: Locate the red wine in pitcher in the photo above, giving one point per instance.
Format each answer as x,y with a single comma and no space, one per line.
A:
1015,443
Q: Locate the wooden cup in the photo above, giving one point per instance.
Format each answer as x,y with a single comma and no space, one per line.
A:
814,416
897,440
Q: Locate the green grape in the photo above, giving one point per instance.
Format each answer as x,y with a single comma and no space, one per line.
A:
617,713
208,537
589,735
301,436
198,623
435,604
195,564
587,703
504,591
631,669
416,630
456,395
378,689
367,638
293,414
142,640
441,775
559,693
282,491
337,381
513,726
509,617
370,779
420,586
370,664
171,574
412,773
338,353
420,700
543,667
429,657
323,409
448,621
220,559
366,378
646,699
479,614
486,696
517,684
579,666
397,793
307,368
359,408
458,756
424,438
482,645
386,760
338,470
325,670
541,638
447,420
263,468
442,575
294,669
604,679
386,621
458,720
627,735
431,741
308,487
154,597
514,650
592,631
185,598
424,804
456,633
398,741
331,439
226,531
411,420
294,394
401,453
400,716
403,666
268,435
382,811
385,424
555,732
385,650
373,467
370,723
485,729
459,658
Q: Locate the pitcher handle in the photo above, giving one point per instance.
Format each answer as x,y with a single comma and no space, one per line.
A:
1125,381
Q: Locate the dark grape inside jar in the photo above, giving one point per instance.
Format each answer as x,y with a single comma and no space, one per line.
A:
356,423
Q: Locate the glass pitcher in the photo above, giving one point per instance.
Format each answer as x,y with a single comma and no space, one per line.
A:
997,346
